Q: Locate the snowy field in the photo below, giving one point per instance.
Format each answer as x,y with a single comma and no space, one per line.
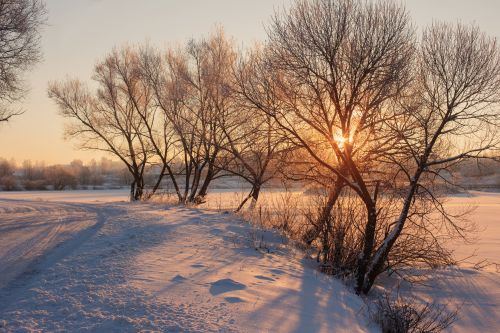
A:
80,196
88,261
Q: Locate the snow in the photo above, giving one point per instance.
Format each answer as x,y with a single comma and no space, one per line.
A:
130,267
85,261
486,215
30,229
476,295
70,196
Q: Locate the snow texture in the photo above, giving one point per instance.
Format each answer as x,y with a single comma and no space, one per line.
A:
85,262
121,267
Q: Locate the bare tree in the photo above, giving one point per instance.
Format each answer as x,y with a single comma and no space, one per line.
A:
452,116
344,80
254,150
333,66
110,120
254,147
20,23
158,130
212,60
192,87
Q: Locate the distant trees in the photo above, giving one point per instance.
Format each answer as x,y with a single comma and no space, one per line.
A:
75,175
7,180
60,178
20,23
33,176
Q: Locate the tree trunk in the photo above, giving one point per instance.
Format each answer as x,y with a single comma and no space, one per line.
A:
206,182
195,184
243,202
187,179
368,244
174,182
333,195
377,264
158,181
138,193
132,191
255,195
139,189
324,220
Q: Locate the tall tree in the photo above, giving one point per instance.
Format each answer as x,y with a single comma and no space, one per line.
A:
452,115
111,119
192,87
255,147
332,66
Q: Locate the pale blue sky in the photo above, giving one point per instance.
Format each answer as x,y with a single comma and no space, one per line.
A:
80,32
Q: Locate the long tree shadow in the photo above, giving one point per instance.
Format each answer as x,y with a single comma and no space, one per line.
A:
320,304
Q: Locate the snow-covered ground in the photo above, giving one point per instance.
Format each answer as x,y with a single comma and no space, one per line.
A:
84,261
80,196
476,293
130,267
486,215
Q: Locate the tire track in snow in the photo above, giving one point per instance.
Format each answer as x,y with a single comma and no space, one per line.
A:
30,232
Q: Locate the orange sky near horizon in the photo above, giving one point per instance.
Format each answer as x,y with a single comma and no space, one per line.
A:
80,32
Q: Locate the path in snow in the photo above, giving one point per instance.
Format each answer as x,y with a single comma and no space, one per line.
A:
30,229
140,267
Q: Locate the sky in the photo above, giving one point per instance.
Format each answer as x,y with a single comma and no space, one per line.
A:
81,32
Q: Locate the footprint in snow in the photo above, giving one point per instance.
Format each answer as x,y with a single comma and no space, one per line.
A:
233,299
224,286
262,277
277,271
216,231
178,278
198,265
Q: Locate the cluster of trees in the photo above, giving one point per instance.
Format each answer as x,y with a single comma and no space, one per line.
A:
37,176
179,110
343,94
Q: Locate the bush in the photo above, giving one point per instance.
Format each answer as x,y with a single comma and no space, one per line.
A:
336,234
410,316
60,178
8,183
35,185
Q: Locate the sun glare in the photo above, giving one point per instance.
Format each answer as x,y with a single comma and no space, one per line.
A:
340,140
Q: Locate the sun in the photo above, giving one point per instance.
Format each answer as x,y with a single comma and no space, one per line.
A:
340,140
